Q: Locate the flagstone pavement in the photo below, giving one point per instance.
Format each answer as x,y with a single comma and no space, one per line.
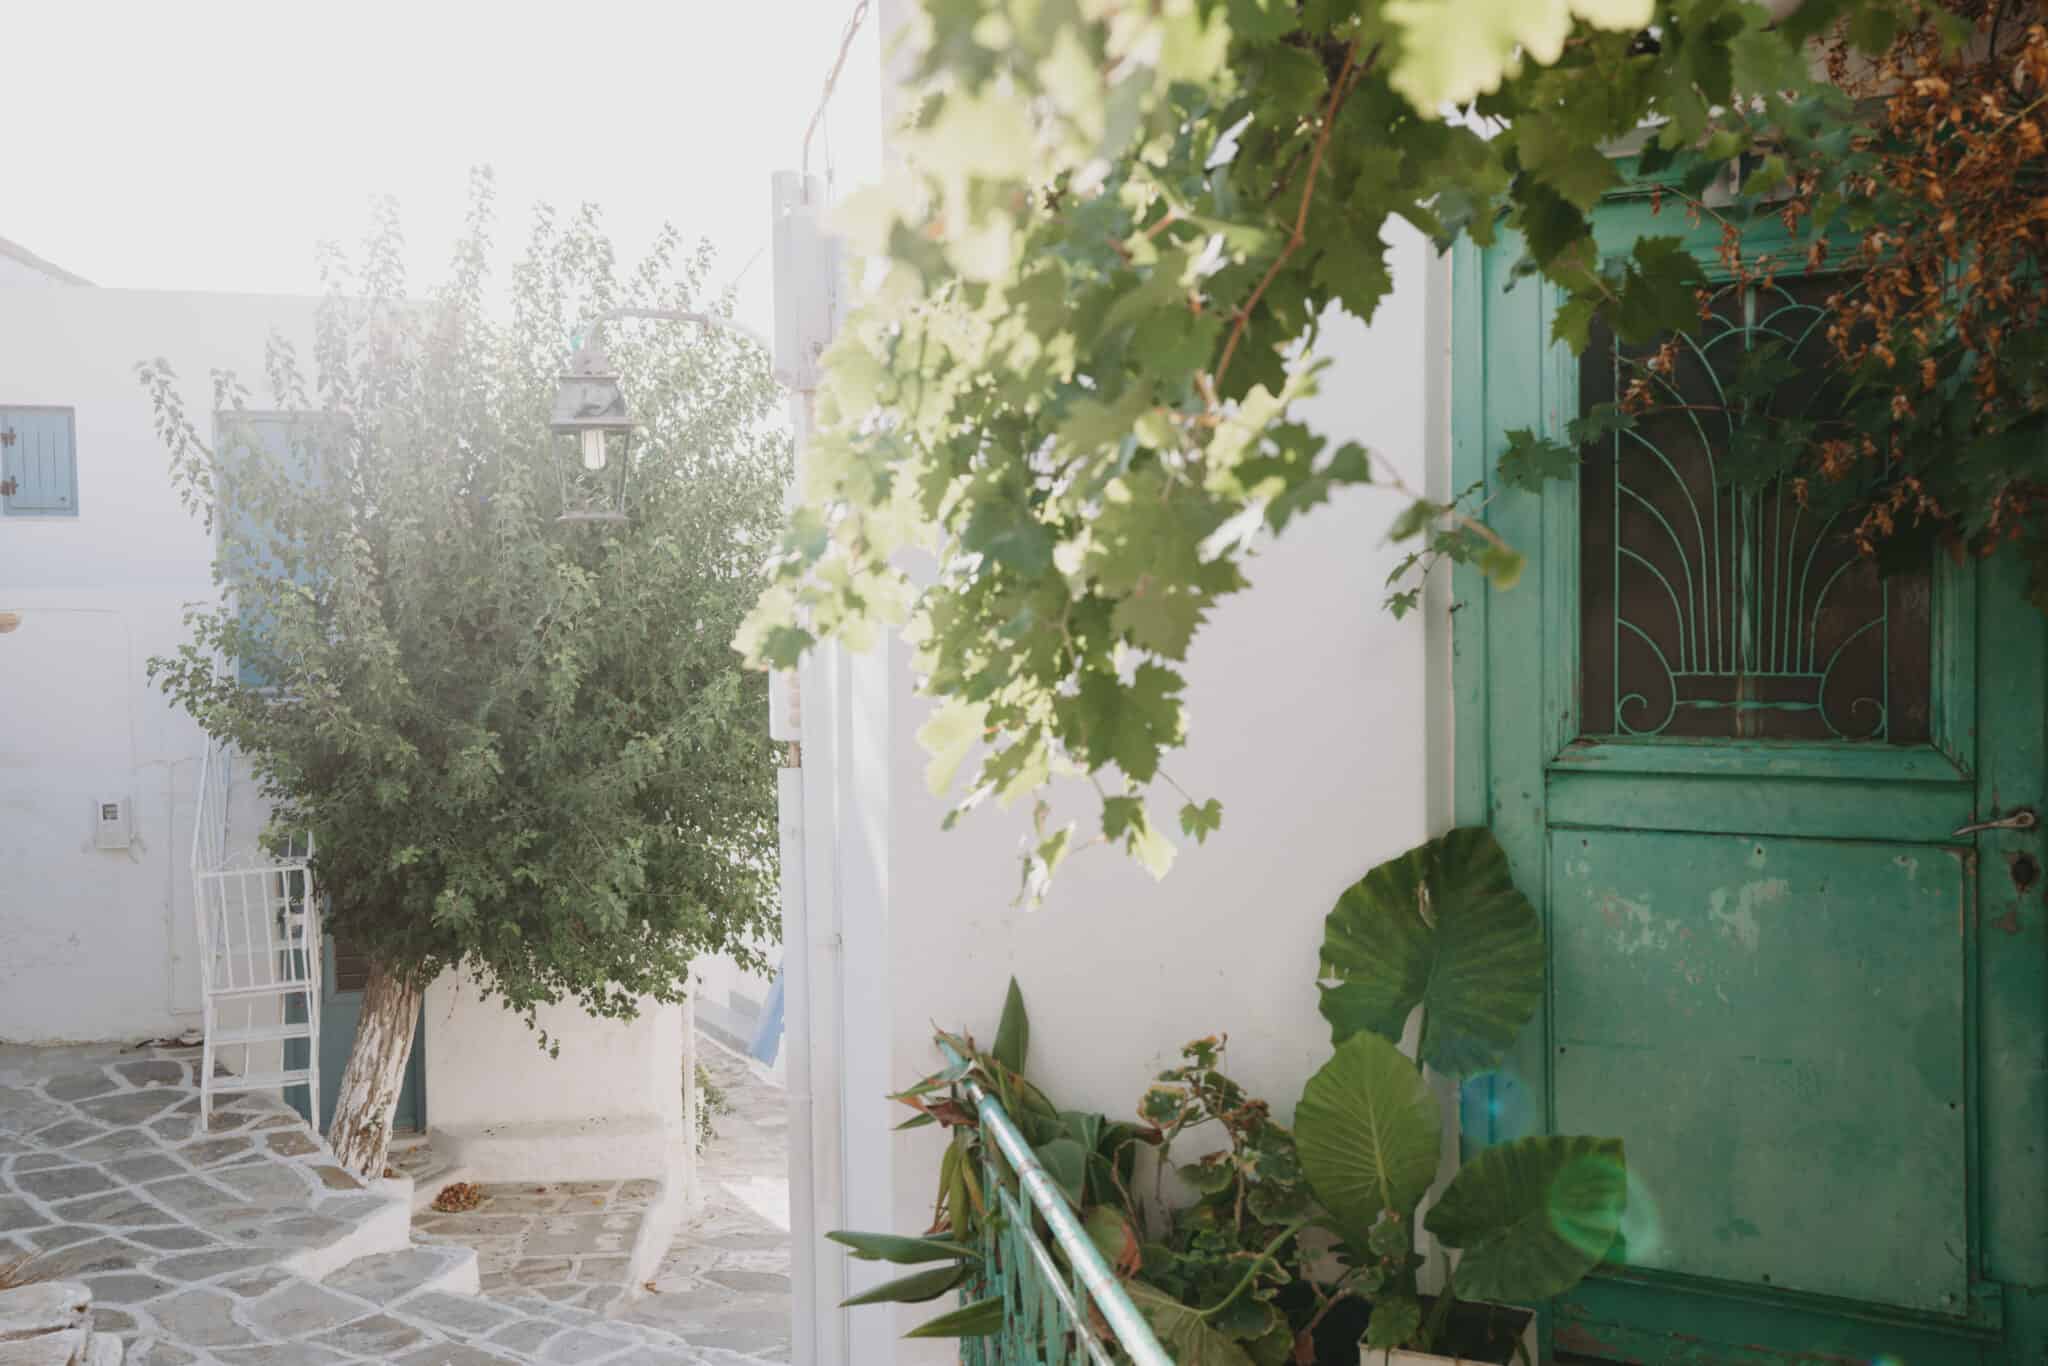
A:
723,1282
247,1245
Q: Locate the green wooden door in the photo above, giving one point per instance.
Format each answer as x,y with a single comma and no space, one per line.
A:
1738,772
342,975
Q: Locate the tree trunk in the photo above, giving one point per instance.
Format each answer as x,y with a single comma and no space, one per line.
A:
360,1131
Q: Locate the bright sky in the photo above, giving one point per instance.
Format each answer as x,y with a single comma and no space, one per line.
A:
211,144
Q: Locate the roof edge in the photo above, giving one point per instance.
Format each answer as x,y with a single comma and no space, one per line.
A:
16,252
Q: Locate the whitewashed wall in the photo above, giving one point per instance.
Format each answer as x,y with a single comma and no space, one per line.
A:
1322,724
609,1104
98,945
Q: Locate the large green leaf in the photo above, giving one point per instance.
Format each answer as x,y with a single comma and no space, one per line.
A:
1186,1335
915,1288
894,1247
1442,927
1013,1031
1395,1321
976,1320
1532,1216
1366,1130
1066,1162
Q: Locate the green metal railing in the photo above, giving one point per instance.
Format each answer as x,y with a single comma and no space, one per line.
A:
1057,1305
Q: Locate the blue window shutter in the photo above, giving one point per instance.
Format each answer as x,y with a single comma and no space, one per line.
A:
39,453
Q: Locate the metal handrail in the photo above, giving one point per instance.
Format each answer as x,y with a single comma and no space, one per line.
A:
1132,1333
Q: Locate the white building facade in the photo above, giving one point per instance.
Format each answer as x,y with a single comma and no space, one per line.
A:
99,943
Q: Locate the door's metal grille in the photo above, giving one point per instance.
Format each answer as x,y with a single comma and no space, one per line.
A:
1716,604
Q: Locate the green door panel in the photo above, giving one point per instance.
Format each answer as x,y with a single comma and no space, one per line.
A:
1789,963
1777,1028
1625,1318
341,1007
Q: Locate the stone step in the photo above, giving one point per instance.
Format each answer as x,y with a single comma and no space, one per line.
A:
388,1277
49,1323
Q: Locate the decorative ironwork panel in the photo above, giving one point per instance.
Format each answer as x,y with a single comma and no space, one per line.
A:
1715,602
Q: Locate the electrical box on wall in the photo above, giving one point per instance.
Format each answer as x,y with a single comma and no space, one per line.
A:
110,823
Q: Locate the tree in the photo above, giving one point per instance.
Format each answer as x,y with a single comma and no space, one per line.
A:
522,746
1116,233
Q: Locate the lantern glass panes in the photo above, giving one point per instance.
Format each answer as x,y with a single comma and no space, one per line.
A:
590,406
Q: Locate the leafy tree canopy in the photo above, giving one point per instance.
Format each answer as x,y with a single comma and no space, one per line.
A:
517,743
1072,379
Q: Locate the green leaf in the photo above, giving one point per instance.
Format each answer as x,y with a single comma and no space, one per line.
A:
1066,1162
1013,1033
1442,927
1453,50
1201,821
1766,63
952,730
1532,1217
1531,461
1110,723
1367,1130
1391,1237
1113,1237
1502,566
1657,292
1396,1319
1211,1176
1551,224
1570,163
915,1288
1415,519
983,1318
1572,324
1598,423
1160,617
891,1247
1182,1330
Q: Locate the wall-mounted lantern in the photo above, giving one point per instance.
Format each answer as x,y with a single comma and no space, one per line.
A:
590,406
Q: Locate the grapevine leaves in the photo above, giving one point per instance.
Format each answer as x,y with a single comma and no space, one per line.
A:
1074,372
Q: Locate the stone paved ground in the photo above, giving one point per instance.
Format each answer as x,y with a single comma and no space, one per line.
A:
237,1246
568,1242
724,1281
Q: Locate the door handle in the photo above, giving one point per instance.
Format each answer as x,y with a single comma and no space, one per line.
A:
2022,819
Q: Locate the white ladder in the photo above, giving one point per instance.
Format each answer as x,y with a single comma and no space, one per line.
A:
258,920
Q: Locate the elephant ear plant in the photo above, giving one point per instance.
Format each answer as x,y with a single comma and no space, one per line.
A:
1443,930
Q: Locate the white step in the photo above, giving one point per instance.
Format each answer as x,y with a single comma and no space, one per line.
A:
271,1033
262,1081
266,989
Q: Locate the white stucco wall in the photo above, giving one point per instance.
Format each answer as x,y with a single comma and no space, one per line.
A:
609,1105
1320,722
98,945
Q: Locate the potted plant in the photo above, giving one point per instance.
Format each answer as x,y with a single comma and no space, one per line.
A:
1290,1247
1442,932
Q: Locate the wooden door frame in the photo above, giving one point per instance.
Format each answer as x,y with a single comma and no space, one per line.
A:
1509,738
